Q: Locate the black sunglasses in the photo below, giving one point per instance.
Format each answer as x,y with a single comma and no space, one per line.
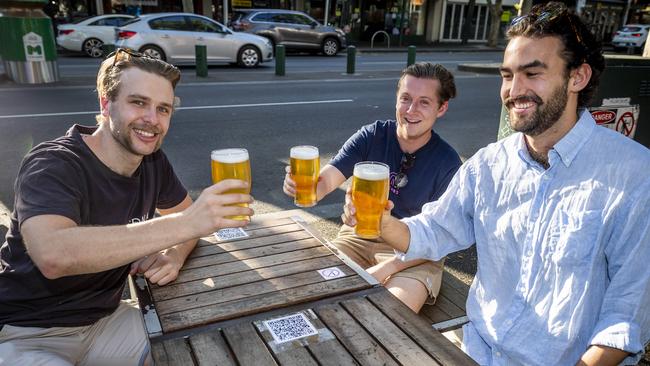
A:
401,179
548,15
120,51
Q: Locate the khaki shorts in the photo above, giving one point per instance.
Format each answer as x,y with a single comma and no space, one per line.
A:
369,252
118,339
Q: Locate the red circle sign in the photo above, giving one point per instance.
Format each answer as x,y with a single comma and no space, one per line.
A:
625,123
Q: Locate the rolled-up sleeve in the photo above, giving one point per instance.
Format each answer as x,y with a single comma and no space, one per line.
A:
624,319
446,225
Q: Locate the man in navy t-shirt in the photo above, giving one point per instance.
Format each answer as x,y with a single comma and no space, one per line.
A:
421,165
83,220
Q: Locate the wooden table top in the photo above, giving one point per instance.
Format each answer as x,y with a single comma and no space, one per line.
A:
369,327
275,266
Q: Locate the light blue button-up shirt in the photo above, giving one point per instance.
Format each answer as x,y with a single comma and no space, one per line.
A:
563,253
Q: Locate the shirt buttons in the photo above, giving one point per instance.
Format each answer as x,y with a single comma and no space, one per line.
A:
508,322
498,354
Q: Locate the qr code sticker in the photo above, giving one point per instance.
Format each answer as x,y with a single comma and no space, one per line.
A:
290,327
230,233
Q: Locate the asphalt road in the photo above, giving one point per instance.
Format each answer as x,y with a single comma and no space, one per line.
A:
316,103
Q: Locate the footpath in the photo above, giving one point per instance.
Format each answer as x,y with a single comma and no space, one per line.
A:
189,75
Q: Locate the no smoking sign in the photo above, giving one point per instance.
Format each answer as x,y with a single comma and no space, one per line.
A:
331,273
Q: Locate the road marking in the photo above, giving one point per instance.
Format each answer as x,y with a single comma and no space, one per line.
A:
227,83
191,108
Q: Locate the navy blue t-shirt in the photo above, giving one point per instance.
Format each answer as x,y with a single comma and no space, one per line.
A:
435,164
64,177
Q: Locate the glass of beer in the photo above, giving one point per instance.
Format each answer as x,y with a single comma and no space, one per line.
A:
369,196
232,164
305,166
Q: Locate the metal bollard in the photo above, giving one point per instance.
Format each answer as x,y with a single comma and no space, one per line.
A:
279,60
201,54
411,57
107,49
352,59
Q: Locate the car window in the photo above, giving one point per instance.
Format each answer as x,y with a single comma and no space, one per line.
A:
130,21
263,17
201,25
120,21
175,22
282,18
299,19
631,29
112,22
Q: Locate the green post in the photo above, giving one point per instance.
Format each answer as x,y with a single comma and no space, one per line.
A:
27,46
279,60
411,57
107,49
352,59
201,52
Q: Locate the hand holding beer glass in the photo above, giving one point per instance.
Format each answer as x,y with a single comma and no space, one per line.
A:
232,164
369,197
305,167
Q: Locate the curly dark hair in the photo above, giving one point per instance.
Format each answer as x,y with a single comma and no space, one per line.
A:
428,70
554,19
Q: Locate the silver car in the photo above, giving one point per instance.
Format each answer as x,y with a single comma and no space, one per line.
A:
293,29
173,36
88,35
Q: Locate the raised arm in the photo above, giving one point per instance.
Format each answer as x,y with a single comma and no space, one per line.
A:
60,248
329,179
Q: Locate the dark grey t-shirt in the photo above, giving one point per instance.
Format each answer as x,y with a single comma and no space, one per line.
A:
64,177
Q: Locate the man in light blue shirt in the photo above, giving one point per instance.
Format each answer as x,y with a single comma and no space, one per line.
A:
559,212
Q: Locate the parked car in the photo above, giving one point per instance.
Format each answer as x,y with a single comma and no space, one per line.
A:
88,35
172,37
631,35
293,29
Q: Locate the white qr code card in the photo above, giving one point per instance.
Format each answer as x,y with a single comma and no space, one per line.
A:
290,327
230,233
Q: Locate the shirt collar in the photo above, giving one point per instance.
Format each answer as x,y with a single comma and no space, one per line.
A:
567,148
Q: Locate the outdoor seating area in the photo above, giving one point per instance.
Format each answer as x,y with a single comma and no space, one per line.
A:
276,292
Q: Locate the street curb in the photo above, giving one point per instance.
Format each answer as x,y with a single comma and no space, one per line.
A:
492,68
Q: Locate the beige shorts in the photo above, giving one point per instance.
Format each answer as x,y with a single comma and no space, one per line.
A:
369,252
118,339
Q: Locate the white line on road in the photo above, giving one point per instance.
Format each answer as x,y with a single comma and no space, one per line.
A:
227,83
191,108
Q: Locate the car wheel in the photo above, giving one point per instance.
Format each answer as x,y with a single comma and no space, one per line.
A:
330,47
93,47
153,52
248,57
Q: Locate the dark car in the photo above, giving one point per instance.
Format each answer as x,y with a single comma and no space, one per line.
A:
293,29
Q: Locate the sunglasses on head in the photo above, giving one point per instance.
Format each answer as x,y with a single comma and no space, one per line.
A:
549,14
401,179
121,51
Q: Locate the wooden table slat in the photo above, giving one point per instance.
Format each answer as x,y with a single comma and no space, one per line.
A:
357,341
174,290
260,303
209,248
418,329
394,340
172,352
245,265
444,309
256,233
256,223
247,346
296,356
238,255
331,353
218,296
211,349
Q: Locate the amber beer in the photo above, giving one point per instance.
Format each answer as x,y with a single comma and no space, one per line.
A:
369,196
305,166
232,164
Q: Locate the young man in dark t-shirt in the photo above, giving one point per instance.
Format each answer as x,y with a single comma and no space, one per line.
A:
83,220
421,166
